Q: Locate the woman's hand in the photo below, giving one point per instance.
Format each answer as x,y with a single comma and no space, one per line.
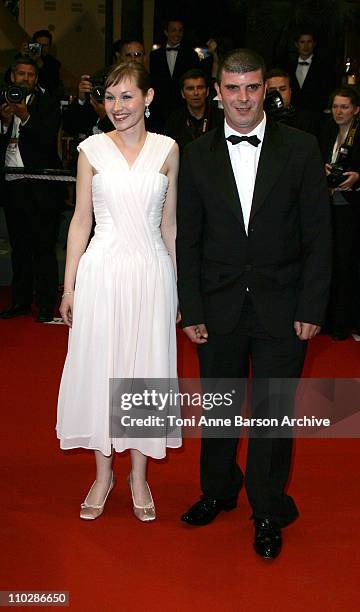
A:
352,178
66,309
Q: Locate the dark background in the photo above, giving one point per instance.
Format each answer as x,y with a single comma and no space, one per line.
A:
267,26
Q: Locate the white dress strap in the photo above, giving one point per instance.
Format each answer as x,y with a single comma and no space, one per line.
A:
93,149
160,147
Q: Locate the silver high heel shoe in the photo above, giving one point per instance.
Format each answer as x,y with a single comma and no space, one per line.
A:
90,512
143,513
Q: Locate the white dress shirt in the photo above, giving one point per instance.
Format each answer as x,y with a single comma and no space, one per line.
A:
301,71
244,159
12,156
171,59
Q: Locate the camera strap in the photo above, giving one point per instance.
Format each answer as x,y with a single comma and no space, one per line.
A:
344,149
349,140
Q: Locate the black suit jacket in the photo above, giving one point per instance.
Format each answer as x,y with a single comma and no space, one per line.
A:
285,258
38,139
166,86
81,118
317,87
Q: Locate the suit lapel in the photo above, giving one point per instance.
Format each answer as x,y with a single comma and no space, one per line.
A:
272,158
311,73
165,65
223,173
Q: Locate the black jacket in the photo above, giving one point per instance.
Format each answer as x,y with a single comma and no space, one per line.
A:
38,138
81,118
317,87
327,140
166,86
284,259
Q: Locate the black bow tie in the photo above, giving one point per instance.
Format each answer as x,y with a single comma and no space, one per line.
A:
172,48
303,63
254,140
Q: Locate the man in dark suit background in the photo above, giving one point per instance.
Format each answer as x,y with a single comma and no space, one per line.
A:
28,138
166,66
253,255
312,79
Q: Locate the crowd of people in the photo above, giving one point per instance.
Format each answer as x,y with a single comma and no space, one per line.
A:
250,244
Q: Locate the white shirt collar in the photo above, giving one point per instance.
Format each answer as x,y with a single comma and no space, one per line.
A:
308,59
259,130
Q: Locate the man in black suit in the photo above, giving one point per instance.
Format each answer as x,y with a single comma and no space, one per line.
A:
28,138
166,65
312,80
253,253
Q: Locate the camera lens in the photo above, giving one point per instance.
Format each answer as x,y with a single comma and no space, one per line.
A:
98,93
15,94
336,176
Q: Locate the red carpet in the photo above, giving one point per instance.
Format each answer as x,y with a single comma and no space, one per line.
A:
117,563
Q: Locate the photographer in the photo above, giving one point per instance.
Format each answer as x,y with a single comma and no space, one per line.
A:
48,66
278,103
28,139
340,143
86,114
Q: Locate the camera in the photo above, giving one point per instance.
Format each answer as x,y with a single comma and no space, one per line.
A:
13,94
35,48
98,90
336,176
274,106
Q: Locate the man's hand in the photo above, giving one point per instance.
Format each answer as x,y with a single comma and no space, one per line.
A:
197,333
98,107
6,114
306,331
84,87
20,110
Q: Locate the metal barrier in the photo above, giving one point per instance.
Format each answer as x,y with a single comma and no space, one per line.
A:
47,174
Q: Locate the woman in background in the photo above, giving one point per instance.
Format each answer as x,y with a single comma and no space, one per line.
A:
343,311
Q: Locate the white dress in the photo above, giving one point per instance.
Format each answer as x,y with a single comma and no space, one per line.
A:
125,302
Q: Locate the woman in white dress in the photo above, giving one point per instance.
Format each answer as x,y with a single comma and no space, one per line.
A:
119,291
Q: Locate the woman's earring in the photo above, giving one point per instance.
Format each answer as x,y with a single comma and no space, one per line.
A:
147,111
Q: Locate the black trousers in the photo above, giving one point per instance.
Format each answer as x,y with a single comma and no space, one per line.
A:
32,217
343,310
268,459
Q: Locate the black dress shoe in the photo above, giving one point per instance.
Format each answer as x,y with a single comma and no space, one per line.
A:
206,510
15,310
45,315
267,542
